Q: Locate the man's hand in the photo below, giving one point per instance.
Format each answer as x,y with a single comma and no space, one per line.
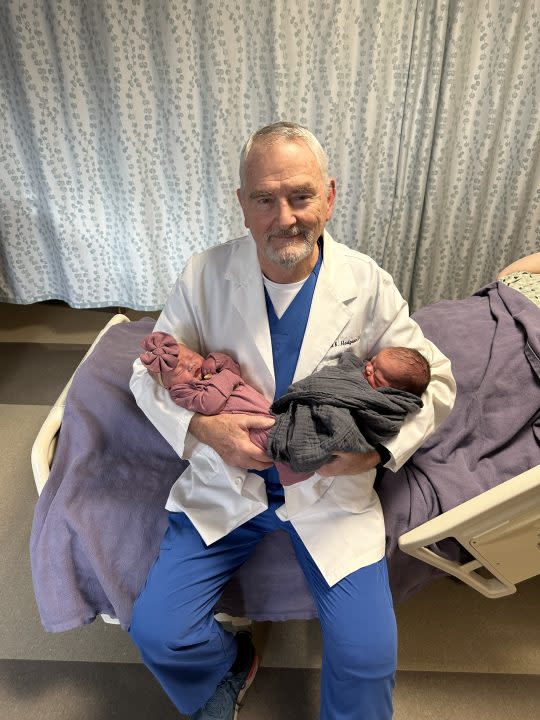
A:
228,435
346,463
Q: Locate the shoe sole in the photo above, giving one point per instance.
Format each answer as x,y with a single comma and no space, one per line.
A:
245,687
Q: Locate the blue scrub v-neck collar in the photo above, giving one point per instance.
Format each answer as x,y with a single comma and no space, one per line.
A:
311,279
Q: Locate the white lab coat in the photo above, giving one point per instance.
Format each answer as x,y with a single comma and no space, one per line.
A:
218,304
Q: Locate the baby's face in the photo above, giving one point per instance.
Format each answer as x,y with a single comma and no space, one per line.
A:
188,366
379,370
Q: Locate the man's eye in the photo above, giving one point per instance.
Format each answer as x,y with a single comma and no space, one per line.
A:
264,201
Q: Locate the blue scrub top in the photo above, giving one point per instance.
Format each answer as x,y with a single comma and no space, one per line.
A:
287,334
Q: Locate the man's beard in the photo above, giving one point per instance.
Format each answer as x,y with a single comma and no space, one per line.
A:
289,255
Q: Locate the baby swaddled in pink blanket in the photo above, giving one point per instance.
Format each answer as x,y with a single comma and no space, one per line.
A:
209,386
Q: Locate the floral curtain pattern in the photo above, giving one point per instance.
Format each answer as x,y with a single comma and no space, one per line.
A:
121,123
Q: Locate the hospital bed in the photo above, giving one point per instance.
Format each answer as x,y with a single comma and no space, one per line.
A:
490,541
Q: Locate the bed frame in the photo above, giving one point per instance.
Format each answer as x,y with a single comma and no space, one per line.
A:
500,528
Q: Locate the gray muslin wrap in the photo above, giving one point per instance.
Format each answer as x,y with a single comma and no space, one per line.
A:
335,409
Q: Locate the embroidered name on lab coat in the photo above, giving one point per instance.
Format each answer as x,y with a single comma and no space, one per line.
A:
341,343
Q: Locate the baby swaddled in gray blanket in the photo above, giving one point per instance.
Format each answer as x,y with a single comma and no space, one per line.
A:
351,407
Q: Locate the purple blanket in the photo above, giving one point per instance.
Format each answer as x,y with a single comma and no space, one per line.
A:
99,521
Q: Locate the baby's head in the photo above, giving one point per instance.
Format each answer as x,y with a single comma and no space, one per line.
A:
173,362
400,368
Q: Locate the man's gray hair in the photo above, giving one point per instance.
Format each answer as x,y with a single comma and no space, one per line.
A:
285,131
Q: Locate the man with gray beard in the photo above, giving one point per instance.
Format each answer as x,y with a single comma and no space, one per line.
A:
283,301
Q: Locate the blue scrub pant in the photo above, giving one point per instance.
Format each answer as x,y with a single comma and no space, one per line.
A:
189,652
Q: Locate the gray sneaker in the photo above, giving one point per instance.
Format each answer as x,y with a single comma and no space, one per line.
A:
226,702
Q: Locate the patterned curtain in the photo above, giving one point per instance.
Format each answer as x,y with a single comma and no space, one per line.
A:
122,122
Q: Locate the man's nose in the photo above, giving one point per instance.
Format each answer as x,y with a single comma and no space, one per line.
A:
285,215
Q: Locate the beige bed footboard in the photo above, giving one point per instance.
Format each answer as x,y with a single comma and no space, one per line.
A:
500,528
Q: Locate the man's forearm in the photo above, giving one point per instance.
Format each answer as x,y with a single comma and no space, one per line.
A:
197,428
169,419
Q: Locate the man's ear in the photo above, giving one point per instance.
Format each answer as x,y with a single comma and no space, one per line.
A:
330,197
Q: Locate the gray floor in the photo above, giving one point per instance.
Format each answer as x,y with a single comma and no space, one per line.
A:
461,655
110,691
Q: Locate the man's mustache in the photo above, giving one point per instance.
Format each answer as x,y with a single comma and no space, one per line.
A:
291,233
